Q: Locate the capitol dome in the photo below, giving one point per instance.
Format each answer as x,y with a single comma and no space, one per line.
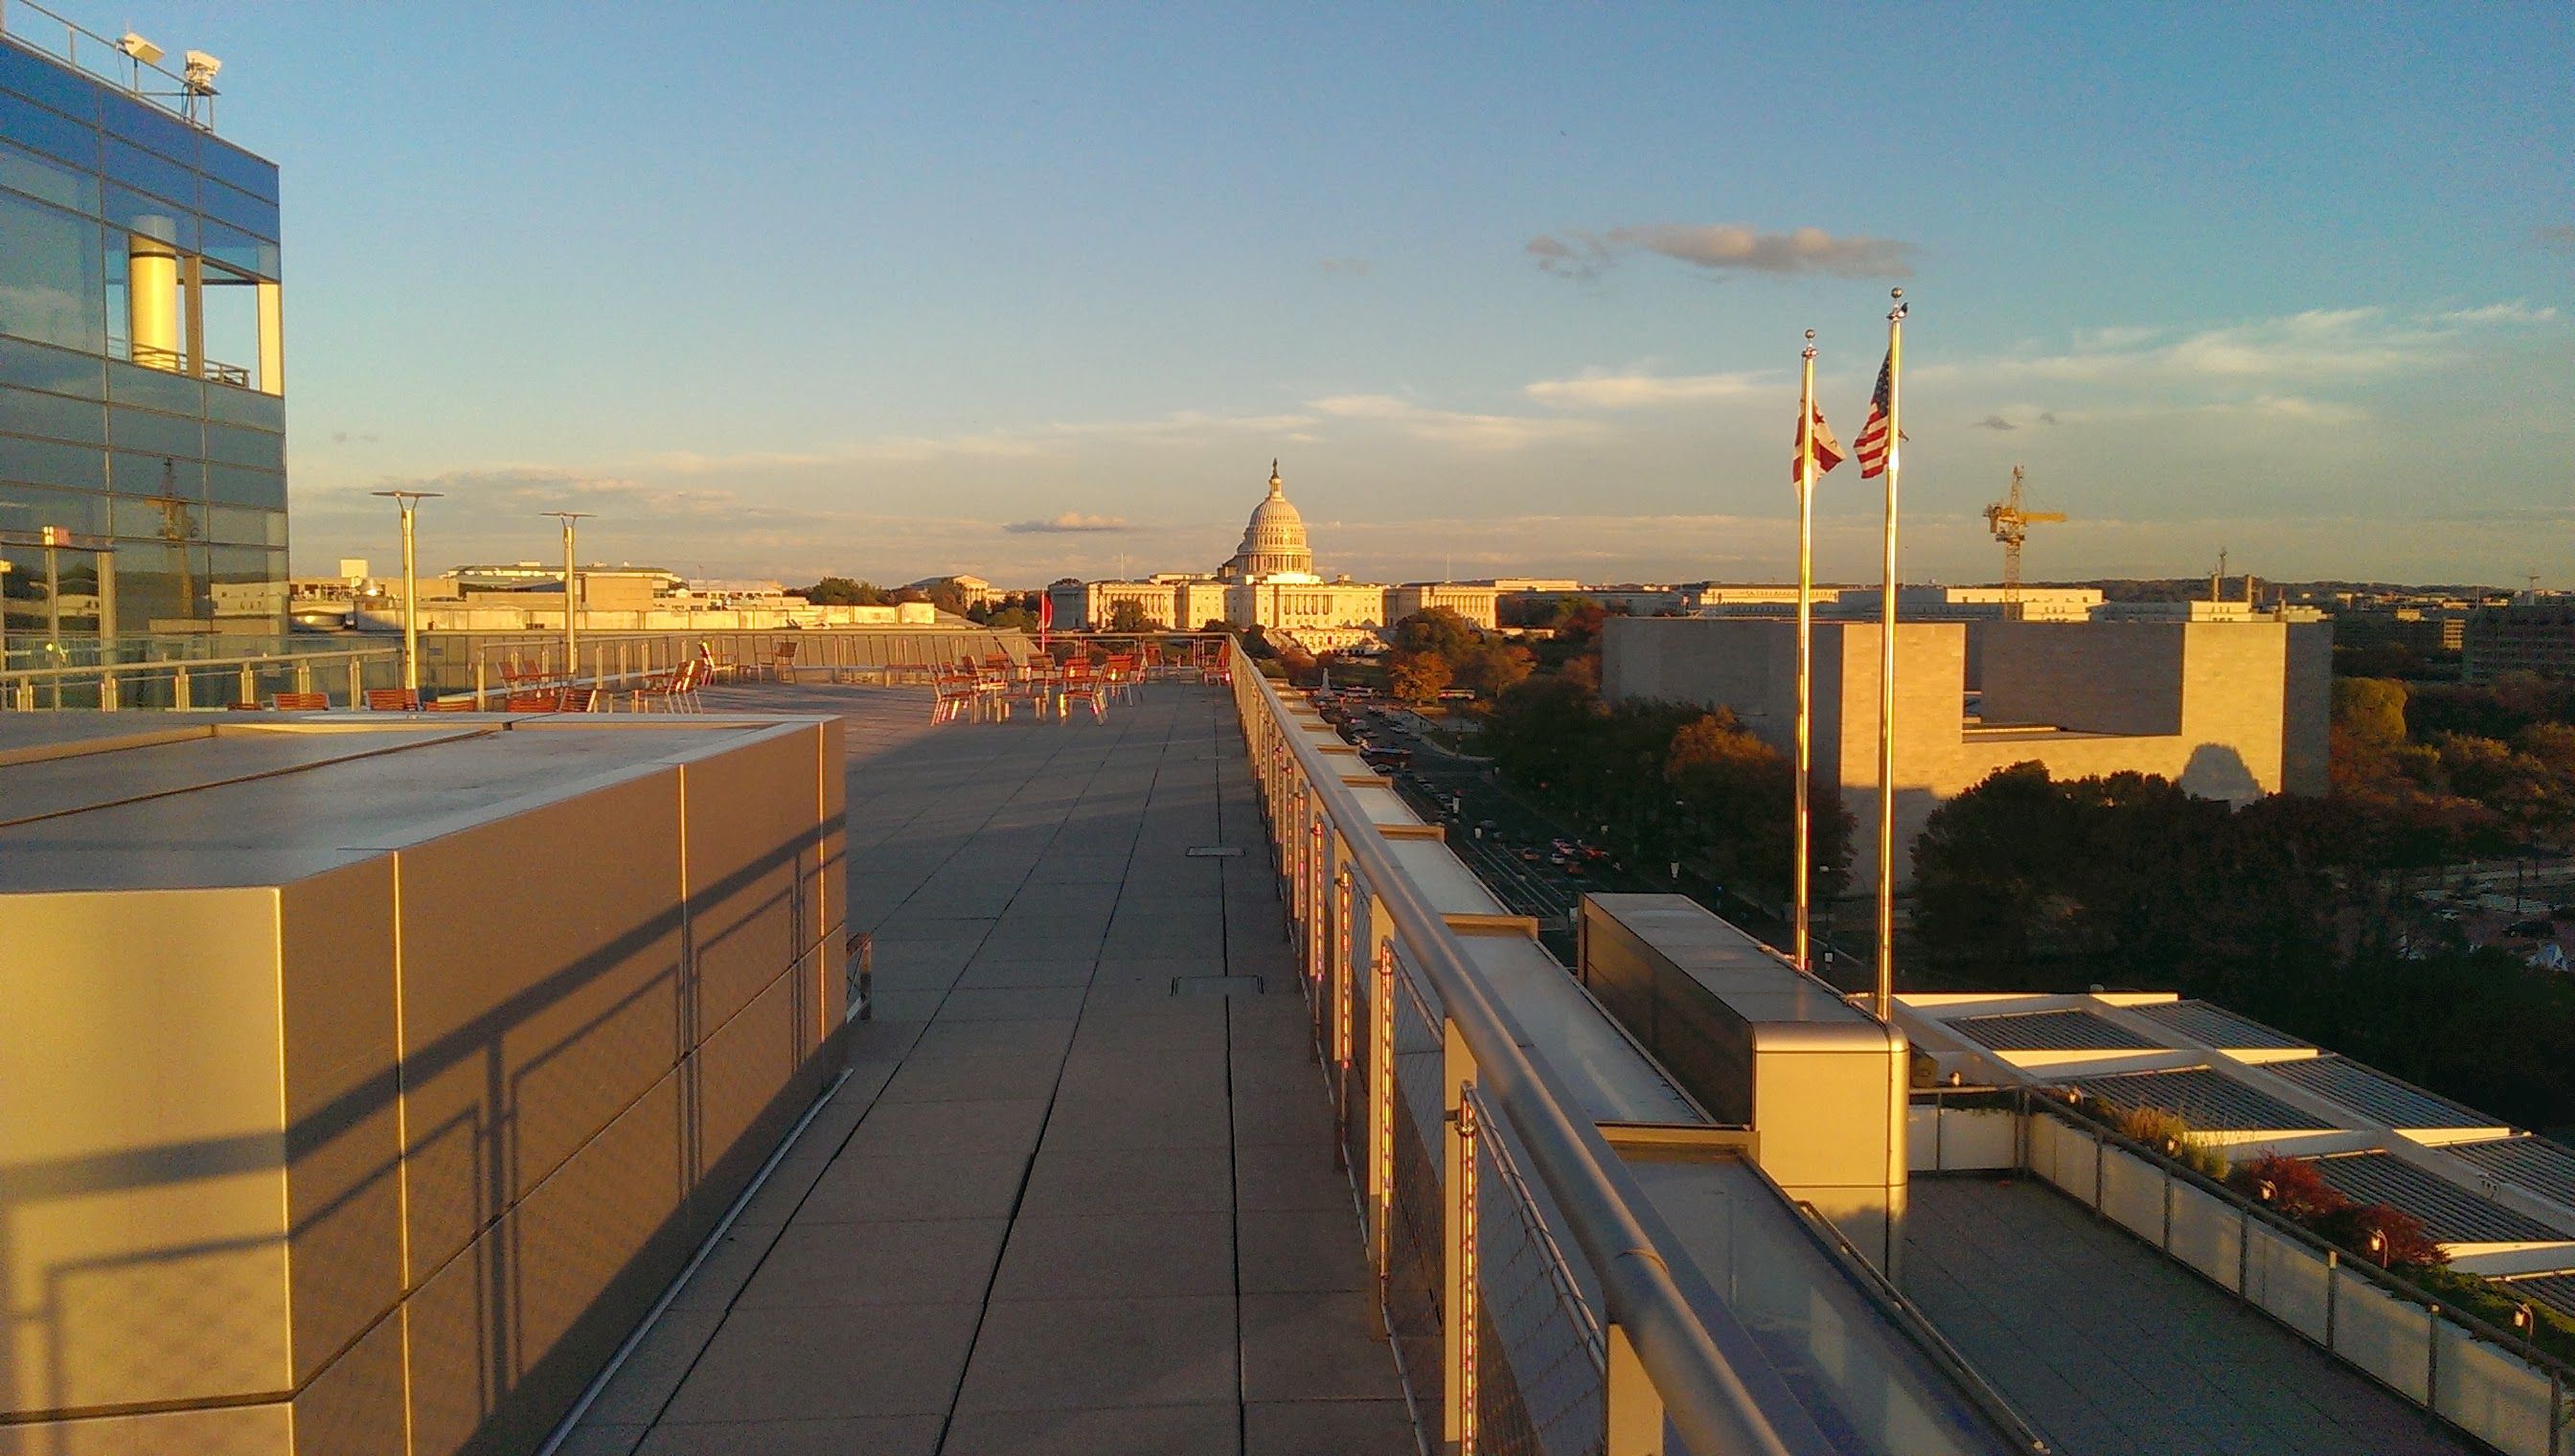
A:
1273,543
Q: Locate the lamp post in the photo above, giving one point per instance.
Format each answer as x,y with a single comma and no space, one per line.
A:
572,591
408,500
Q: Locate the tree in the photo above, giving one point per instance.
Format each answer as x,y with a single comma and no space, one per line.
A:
1129,616
1417,677
2371,710
1439,631
1492,668
843,592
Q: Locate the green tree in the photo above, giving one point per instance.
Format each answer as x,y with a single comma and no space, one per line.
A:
1492,668
2371,710
845,591
1439,631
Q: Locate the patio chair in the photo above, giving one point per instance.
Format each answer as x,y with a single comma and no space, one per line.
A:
1081,685
781,666
953,695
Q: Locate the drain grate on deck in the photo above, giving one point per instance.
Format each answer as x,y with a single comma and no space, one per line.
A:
1216,986
1214,852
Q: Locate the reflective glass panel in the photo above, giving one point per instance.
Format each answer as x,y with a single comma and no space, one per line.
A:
239,208
47,463
57,370
156,474
236,249
245,582
225,162
241,525
150,217
230,302
55,417
172,393
163,518
48,83
232,484
30,125
50,288
151,172
151,434
27,508
157,586
152,127
42,177
245,446
265,411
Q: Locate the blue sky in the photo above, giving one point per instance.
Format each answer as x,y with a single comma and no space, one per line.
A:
783,289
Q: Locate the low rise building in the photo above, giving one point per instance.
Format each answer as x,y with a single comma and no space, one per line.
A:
2534,634
2229,710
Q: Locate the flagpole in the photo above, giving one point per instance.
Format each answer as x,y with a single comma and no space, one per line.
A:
1883,1001
1802,857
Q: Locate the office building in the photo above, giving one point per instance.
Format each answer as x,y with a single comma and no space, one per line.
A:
2228,710
142,379
2534,634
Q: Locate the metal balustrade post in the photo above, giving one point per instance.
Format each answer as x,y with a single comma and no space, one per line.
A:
1458,1238
1381,1102
302,676
249,685
1634,1410
1344,971
179,695
358,682
2334,1292
110,697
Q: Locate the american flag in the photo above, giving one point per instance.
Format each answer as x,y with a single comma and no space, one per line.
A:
1871,446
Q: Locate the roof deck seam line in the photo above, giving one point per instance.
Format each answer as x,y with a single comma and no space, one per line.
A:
435,739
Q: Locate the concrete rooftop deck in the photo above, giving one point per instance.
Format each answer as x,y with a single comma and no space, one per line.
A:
2112,1349
1055,1207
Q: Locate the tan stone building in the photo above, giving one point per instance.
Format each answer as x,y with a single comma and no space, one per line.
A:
1271,583
2227,710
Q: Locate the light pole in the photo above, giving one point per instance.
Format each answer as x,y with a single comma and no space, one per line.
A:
410,500
571,592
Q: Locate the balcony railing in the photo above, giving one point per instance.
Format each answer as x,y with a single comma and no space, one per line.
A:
198,682
1456,1134
41,30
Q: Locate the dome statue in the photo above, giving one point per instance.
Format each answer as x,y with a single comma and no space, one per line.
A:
1273,543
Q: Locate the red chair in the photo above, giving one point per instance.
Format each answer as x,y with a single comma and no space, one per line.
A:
1081,685
671,691
393,700
953,695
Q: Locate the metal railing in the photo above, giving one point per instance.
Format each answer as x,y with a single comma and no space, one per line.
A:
1390,982
198,682
92,54
2488,1383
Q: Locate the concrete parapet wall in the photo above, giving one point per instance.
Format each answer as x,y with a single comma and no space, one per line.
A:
378,1133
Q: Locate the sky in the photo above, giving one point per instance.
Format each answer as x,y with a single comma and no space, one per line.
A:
784,290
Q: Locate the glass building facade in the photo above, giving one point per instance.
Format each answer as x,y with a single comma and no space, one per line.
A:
142,383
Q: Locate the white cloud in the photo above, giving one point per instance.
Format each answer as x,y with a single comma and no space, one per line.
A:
1460,428
1070,521
2317,346
1645,391
1725,247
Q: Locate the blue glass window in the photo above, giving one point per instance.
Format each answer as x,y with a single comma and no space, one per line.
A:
24,508
45,463
150,217
227,446
57,370
171,394
51,288
233,485
152,173
229,163
238,207
51,84
142,122
156,434
241,526
236,249
24,412
157,475
51,181
241,407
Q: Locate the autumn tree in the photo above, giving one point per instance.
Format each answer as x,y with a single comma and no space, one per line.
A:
1417,677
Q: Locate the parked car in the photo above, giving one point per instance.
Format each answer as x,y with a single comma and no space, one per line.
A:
2541,929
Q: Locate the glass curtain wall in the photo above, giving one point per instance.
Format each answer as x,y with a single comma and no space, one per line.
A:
142,388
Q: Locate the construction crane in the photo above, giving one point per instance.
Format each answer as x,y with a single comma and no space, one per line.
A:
2010,525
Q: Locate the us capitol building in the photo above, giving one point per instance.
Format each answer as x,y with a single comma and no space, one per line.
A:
1270,582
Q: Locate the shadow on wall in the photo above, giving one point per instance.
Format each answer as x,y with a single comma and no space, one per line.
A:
2216,770
558,1216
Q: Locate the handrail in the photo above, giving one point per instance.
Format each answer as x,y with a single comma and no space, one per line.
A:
192,665
1717,1388
78,56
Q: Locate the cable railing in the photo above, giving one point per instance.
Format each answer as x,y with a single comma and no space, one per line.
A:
1413,1021
187,682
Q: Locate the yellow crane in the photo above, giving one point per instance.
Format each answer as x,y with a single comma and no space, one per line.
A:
2010,526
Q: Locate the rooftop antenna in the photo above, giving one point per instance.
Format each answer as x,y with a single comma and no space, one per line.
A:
2219,575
